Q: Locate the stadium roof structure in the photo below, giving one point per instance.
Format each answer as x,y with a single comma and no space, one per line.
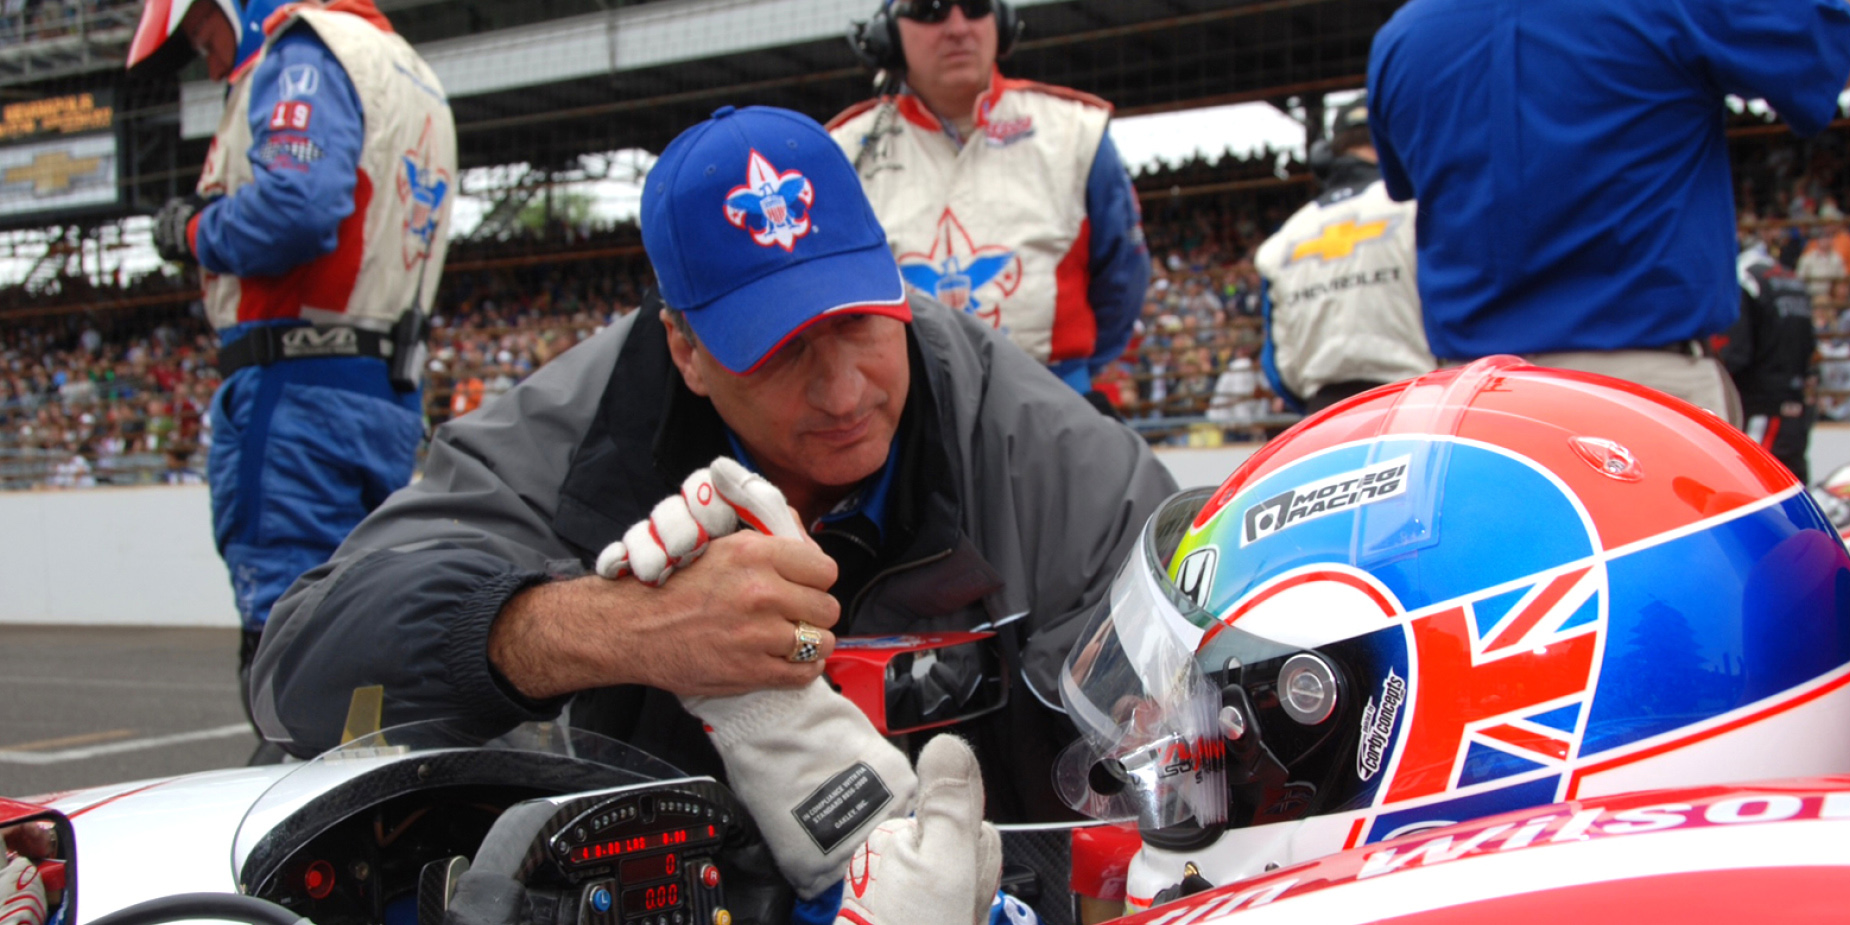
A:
543,83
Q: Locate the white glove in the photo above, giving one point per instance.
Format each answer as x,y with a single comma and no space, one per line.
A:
22,893
943,865
710,505
814,773
807,763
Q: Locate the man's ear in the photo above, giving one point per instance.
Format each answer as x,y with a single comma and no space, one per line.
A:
681,350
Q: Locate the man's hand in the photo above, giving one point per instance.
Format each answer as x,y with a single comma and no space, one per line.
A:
171,239
724,625
943,865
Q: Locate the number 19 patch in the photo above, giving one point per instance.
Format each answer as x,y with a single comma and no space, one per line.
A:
290,114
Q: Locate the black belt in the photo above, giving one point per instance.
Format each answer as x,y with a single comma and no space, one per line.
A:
1694,347
266,345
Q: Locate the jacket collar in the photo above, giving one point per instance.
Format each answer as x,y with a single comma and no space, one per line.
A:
1348,175
361,8
913,107
282,15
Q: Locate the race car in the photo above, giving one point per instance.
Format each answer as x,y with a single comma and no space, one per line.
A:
552,826
391,828
1435,654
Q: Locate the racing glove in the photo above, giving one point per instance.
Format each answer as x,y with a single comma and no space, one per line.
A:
22,893
815,774
807,763
941,865
172,225
710,505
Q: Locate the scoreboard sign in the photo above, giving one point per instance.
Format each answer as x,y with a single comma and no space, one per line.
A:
58,154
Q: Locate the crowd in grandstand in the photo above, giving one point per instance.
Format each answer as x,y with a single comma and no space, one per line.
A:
120,395
35,20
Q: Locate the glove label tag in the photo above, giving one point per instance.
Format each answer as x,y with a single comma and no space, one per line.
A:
833,811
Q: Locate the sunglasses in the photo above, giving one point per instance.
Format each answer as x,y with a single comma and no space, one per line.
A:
936,11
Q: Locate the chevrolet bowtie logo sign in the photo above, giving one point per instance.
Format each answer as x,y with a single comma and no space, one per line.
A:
1339,240
52,172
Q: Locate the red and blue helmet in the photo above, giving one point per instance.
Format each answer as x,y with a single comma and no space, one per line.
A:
1491,587
159,45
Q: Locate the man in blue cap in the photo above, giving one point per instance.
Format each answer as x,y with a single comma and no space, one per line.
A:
947,482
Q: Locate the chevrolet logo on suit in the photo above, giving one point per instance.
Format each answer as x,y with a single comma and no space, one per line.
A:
1342,309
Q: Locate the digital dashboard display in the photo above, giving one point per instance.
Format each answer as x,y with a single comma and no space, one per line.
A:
618,847
647,899
637,870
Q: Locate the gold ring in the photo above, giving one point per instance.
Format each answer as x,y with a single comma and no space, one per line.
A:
808,645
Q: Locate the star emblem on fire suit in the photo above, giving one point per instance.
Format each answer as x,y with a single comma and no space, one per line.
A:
956,270
772,206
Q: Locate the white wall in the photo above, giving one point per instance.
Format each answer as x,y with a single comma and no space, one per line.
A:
144,556
140,556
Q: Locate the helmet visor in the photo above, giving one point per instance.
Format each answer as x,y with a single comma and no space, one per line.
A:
1149,748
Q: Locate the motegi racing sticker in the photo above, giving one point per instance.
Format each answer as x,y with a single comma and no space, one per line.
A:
1336,493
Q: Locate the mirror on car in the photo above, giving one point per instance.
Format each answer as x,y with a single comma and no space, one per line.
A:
917,681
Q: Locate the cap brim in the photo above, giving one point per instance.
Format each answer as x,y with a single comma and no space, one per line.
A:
744,327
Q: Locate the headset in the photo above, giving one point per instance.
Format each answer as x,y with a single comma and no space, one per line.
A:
876,41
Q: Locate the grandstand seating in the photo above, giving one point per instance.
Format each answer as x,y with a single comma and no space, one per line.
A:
104,384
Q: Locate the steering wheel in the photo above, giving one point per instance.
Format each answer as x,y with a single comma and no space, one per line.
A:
229,907
668,853
677,852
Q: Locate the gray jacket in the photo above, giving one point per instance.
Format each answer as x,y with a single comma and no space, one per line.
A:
1014,496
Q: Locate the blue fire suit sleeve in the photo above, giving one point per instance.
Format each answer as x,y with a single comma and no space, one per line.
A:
306,131
1119,261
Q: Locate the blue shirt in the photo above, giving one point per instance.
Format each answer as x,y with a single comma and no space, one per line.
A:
1570,160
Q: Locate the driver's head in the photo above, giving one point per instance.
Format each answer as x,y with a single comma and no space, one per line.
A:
786,308
1486,588
226,34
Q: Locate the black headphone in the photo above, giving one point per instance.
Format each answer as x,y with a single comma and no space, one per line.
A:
876,41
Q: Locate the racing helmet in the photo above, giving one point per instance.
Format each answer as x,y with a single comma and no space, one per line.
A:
159,46
1491,587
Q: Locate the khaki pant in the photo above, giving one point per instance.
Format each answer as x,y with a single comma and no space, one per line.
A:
1701,381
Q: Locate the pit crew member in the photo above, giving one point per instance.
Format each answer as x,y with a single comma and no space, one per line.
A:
1003,198
1769,352
319,225
1571,166
1342,309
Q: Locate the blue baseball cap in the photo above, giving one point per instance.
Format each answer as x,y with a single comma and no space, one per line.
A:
757,227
